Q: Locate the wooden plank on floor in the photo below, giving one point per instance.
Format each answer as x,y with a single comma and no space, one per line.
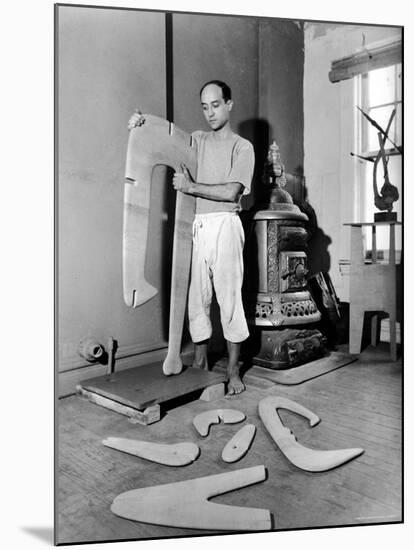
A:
144,386
303,373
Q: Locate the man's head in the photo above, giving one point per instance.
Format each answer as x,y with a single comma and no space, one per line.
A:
216,103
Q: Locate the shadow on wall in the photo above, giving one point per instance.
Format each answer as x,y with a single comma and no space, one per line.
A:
257,131
168,208
319,259
335,315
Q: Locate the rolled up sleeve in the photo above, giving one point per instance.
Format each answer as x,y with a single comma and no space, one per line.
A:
243,166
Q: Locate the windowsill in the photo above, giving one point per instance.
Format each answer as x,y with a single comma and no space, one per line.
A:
388,152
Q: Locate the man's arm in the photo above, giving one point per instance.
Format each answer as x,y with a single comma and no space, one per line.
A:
223,192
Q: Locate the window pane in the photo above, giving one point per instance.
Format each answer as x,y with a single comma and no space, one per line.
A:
381,86
381,115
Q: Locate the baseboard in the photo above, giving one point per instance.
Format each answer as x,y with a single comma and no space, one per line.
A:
75,361
68,379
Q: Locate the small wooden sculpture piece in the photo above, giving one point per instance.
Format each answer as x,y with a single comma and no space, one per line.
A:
304,458
203,421
186,504
179,454
239,444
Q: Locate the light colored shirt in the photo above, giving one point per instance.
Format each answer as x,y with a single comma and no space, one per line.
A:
229,160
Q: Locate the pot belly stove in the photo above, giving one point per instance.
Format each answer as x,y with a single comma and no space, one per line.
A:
280,309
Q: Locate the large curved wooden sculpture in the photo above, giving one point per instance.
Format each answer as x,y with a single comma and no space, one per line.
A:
307,459
185,503
157,141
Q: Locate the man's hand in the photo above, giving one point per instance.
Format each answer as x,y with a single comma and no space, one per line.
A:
182,181
137,119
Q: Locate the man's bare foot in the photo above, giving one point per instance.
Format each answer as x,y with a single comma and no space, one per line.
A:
235,385
200,360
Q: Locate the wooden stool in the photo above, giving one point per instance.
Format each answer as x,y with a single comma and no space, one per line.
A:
372,287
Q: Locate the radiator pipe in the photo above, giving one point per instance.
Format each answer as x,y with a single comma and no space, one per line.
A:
91,349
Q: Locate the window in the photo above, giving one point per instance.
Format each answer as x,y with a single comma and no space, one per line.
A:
380,92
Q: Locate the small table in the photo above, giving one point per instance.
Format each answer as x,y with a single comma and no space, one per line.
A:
372,286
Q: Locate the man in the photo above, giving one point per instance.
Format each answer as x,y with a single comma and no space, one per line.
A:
225,163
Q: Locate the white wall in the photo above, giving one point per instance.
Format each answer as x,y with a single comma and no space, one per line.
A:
329,120
110,61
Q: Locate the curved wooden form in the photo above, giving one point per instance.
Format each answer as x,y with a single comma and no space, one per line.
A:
157,141
239,444
185,504
203,421
179,454
307,459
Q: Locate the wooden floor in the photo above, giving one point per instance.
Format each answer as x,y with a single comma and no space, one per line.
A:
359,404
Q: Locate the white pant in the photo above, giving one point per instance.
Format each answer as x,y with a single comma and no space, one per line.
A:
217,261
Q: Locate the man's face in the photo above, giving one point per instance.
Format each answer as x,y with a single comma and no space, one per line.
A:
216,111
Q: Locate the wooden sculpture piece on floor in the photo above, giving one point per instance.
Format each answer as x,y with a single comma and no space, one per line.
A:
179,454
203,421
302,457
156,141
239,444
185,503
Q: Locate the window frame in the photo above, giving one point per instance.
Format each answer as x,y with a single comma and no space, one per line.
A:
362,128
366,107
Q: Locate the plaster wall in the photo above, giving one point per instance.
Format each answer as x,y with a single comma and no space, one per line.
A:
109,63
216,48
329,137
281,88
262,60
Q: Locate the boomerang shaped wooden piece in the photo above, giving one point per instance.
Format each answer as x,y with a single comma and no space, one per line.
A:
178,454
157,141
307,459
185,504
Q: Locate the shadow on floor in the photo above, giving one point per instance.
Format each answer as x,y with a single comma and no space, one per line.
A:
43,533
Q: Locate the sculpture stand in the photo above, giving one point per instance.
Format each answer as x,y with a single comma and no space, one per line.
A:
385,217
373,287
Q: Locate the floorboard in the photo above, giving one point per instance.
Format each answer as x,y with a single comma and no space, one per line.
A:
359,406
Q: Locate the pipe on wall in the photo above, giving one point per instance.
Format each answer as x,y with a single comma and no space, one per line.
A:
91,349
